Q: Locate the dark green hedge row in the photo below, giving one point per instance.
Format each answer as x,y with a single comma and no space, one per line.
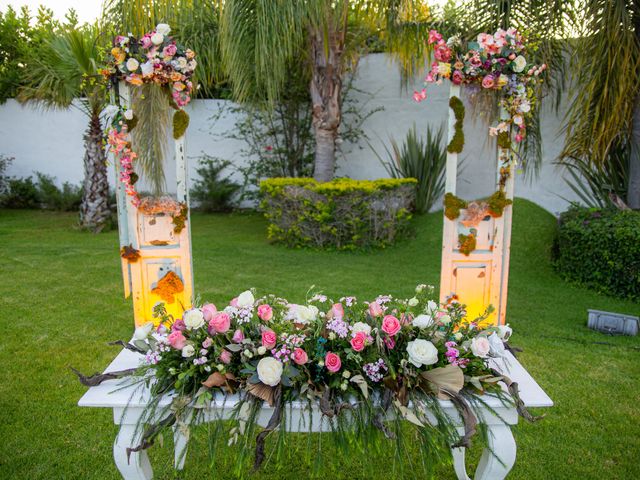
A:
600,249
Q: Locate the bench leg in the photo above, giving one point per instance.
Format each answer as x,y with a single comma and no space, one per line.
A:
496,465
137,466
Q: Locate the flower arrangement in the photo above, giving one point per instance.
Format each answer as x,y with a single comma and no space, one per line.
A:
388,356
496,62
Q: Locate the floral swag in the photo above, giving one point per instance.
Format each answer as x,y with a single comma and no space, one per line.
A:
388,358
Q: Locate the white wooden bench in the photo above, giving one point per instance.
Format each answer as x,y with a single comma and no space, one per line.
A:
129,403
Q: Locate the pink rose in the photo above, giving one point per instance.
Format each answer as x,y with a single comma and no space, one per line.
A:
359,341
265,312
178,326
169,51
220,323
390,325
457,77
519,137
300,356
209,310
269,338
337,310
332,362
225,356
146,41
177,340
375,309
488,81
234,302
238,336
442,53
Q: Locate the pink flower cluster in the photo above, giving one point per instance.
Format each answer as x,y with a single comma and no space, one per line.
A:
121,148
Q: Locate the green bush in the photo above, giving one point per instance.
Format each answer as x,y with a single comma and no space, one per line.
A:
21,193
600,248
213,192
343,214
43,193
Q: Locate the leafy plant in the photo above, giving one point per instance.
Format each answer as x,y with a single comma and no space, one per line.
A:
66,199
4,178
594,183
212,191
21,193
424,160
599,248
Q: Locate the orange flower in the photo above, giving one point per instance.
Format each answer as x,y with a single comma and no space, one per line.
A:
176,76
190,54
118,54
135,79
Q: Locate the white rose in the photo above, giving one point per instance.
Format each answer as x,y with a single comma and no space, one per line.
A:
246,299
193,319
181,63
422,321
413,302
361,327
128,114
157,38
480,347
313,310
422,352
269,371
496,346
132,64
262,350
143,331
519,63
432,306
188,351
504,331
304,314
163,29
192,65
525,106
147,68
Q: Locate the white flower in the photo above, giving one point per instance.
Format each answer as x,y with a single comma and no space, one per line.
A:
519,63
246,299
422,352
525,106
496,346
262,350
504,331
147,68
445,319
361,327
413,302
304,315
193,319
128,114
163,29
480,347
457,336
432,306
344,386
143,331
346,374
420,288
157,38
192,65
181,63
188,351
269,371
517,119
422,321
132,64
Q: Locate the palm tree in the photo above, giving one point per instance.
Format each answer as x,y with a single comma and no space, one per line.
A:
64,69
261,40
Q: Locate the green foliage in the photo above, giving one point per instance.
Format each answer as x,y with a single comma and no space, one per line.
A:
504,141
457,142
424,160
42,193
212,191
595,182
180,123
497,202
5,162
342,214
599,248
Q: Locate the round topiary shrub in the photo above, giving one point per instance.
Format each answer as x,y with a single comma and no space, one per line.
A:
600,249
343,214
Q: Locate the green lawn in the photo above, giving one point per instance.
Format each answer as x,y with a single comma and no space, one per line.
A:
61,301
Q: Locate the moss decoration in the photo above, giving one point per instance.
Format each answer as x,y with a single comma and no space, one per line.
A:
467,243
180,220
180,123
453,205
497,203
168,286
130,254
457,142
504,141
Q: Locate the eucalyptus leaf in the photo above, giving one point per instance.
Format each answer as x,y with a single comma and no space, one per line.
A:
234,347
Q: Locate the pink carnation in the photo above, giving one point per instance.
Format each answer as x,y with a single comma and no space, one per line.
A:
332,362
390,325
269,338
265,312
177,340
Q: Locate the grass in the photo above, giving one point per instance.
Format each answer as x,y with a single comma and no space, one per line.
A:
61,301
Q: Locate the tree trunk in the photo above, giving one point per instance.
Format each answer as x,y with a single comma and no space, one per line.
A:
94,211
326,89
633,190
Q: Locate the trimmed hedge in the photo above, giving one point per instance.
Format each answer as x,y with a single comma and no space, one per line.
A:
343,214
600,249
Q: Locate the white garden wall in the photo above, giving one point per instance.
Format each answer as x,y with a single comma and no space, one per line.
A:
51,141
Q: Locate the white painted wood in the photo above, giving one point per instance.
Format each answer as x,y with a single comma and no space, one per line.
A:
452,158
128,401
